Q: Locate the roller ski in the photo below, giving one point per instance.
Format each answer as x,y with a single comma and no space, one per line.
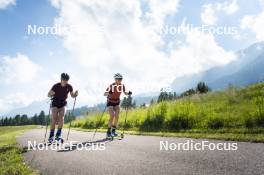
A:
50,141
59,140
116,135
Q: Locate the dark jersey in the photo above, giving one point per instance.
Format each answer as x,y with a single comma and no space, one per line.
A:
61,94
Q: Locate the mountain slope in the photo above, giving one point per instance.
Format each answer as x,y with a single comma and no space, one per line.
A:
246,69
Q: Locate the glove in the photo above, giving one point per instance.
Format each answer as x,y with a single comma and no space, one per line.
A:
129,93
76,93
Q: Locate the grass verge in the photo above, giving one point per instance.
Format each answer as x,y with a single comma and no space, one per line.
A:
243,135
11,159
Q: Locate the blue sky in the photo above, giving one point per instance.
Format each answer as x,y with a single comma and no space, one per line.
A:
120,36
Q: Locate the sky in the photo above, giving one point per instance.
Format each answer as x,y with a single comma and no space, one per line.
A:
147,41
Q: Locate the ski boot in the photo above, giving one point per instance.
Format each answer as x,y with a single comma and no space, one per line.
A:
50,140
109,135
114,134
59,139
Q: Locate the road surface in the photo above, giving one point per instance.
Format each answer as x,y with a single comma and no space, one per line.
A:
140,155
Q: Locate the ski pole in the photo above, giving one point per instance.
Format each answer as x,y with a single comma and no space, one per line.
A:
47,123
99,121
122,135
72,113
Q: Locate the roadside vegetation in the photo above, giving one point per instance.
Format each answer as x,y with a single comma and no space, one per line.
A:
232,114
11,159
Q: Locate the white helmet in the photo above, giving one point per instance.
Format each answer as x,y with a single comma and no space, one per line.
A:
118,76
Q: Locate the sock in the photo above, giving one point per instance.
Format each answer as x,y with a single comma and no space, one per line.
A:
51,133
113,128
109,130
58,134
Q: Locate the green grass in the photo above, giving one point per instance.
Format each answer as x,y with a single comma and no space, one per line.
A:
232,114
229,135
11,159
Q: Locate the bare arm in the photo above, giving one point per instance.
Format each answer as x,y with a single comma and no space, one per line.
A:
74,94
106,93
51,93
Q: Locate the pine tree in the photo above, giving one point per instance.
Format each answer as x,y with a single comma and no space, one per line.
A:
152,101
42,118
202,88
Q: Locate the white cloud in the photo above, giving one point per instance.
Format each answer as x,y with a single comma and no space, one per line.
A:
160,9
5,3
261,2
114,37
17,70
14,100
229,7
210,11
201,52
208,15
255,24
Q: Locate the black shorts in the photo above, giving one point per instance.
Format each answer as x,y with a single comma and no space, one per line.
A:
112,104
58,104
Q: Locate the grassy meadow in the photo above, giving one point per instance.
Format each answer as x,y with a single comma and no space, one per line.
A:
11,159
231,114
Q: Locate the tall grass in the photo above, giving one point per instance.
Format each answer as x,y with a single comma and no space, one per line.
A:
232,108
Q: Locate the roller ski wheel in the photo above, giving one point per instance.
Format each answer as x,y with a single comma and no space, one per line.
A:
122,136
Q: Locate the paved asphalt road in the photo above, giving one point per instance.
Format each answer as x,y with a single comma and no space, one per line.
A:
141,155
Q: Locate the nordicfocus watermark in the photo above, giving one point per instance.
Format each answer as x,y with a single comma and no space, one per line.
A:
72,145
58,29
49,30
189,28
191,145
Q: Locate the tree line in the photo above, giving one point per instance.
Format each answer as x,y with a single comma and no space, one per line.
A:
37,119
201,88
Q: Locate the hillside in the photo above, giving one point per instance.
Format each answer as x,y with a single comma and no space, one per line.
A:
231,110
245,70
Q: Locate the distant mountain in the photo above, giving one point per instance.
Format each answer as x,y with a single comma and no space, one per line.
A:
245,70
30,110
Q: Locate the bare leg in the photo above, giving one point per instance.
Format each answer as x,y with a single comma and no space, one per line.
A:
60,122
54,114
61,117
112,115
54,117
117,110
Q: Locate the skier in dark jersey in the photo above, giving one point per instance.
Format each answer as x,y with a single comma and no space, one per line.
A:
113,93
59,93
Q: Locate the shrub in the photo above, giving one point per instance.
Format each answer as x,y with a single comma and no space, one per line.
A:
178,122
215,123
260,120
249,122
155,118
